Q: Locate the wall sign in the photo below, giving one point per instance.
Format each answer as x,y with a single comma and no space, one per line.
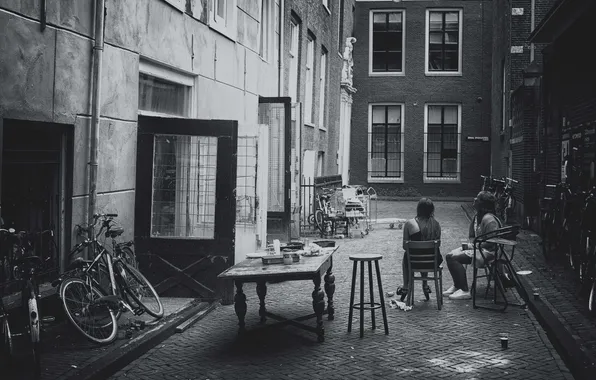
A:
477,138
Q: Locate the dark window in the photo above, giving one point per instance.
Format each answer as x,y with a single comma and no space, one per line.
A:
441,141
443,41
387,41
385,137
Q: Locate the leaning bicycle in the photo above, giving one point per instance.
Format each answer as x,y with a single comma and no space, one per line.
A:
97,291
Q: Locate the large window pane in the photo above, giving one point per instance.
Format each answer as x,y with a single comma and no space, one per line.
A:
385,136
387,46
443,41
157,95
442,139
183,193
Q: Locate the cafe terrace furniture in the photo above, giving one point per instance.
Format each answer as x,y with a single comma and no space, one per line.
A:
504,238
361,304
308,268
422,257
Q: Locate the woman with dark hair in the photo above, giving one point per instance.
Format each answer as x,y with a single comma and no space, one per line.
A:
422,227
483,222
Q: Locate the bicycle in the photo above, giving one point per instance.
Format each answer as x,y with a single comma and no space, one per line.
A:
24,269
507,201
105,287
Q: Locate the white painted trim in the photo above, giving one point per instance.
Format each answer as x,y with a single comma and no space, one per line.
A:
425,148
150,67
403,42
369,145
460,43
178,4
227,26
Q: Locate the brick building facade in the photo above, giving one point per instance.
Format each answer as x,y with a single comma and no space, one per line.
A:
421,116
516,98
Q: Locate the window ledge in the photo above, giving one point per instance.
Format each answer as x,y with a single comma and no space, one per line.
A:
324,129
385,180
443,74
453,181
312,125
224,31
327,9
388,74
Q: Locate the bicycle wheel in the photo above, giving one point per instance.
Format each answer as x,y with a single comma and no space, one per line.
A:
129,257
592,298
319,220
139,289
102,283
96,322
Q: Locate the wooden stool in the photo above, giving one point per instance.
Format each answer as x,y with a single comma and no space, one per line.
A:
361,305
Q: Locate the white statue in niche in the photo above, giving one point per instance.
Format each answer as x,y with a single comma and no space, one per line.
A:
347,70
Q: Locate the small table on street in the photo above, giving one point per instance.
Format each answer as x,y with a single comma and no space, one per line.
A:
308,268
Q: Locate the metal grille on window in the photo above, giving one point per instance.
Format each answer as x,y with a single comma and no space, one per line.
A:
246,183
442,138
273,115
385,137
184,179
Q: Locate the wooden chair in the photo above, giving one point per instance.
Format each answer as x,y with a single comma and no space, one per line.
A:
422,258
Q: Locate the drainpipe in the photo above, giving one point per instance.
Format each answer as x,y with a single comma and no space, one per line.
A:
96,87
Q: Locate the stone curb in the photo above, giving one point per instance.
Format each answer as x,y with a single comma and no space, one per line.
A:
114,360
578,361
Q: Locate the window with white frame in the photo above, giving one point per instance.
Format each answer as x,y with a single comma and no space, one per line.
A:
386,37
222,17
164,91
322,88
385,142
442,146
294,60
265,29
310,60
443,41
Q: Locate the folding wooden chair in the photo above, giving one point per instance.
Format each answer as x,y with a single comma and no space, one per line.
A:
422,258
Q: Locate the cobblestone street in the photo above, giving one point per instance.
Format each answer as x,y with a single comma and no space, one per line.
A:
456,342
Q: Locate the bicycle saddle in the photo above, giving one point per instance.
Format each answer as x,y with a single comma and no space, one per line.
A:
114,231
77,263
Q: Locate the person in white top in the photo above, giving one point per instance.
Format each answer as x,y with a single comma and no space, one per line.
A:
483,222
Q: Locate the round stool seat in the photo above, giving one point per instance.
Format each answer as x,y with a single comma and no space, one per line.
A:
365,257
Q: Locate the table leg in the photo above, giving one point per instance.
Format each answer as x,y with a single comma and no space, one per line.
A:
330,290
318,304
262,292
240,306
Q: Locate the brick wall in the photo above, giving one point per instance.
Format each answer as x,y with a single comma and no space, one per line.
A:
415,89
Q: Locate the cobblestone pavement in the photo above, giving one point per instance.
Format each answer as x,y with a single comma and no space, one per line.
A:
456,342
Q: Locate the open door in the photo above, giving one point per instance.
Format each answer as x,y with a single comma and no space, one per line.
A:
251,189
185,207
276,113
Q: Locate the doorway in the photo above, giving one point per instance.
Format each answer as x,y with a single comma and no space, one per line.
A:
36,189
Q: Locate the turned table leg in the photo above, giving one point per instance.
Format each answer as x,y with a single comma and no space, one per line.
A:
318,304
240,306
262,292
330,290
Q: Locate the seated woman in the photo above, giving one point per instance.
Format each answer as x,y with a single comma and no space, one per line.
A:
483,222
423,227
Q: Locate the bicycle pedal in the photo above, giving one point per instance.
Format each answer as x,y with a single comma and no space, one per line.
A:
139,311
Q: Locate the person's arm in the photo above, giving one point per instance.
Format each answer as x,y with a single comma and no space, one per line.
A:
439,233
472,231
406,234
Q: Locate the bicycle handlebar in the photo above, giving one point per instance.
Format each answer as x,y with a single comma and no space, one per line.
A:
511,179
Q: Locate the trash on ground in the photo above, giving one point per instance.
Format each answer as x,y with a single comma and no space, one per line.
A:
399,305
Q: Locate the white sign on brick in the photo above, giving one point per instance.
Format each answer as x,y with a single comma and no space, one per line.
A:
517,49
517,11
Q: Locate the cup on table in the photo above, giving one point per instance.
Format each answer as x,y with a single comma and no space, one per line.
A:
287,258
504,337
465,244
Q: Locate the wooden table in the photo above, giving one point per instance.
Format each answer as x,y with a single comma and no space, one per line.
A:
308,268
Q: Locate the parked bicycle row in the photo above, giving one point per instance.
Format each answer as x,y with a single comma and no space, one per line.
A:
568,229
503,190
94,293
